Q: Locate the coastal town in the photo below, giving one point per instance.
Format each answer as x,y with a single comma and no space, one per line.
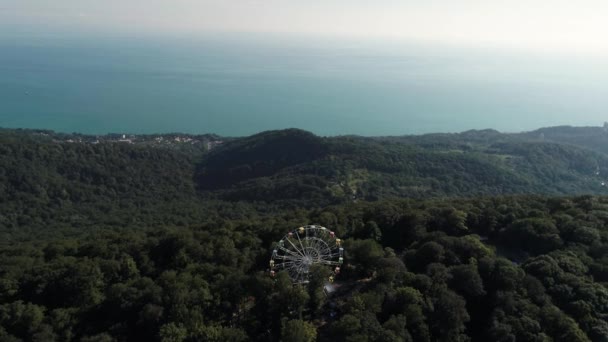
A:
206,142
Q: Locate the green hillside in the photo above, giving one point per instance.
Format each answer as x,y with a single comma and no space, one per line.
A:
492,269
594,138
44,180
477,236
330,170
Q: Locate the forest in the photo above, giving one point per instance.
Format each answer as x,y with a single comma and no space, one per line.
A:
476,236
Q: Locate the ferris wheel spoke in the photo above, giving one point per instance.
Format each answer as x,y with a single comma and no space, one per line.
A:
291,259
294,257
290,252
315,245
303,249
293,273
327,262
288,266
301,252
321,247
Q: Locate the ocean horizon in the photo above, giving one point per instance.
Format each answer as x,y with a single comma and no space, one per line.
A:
244,85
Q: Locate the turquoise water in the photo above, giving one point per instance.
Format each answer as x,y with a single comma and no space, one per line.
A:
242,85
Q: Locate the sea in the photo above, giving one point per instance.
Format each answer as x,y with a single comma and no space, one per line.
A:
235,85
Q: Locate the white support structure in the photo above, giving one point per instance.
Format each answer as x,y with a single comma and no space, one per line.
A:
304,247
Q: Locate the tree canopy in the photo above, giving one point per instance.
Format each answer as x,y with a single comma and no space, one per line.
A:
117,242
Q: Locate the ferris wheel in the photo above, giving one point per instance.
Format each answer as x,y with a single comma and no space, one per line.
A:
303,247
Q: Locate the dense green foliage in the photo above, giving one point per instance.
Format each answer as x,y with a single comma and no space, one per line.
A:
289,167
258,156
594,138
117,242
296,166
500,269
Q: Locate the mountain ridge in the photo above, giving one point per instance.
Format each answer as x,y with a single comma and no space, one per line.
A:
299,167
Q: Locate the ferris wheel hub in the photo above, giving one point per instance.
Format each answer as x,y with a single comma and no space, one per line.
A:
307,261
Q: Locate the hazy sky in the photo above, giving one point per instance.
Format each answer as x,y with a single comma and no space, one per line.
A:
566,25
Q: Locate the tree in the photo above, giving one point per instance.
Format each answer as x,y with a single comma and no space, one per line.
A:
364,254
318,278
395,330
449,316
172,332
536,235
466,280
371,231
429,253
561,327
289,300
297,330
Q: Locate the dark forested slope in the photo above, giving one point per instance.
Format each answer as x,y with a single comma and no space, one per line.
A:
327,170
43,180
594,138
45,184
493,269
260,155
113,241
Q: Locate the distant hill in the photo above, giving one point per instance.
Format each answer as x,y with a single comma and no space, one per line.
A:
594,138
259,155
301,166
294,166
